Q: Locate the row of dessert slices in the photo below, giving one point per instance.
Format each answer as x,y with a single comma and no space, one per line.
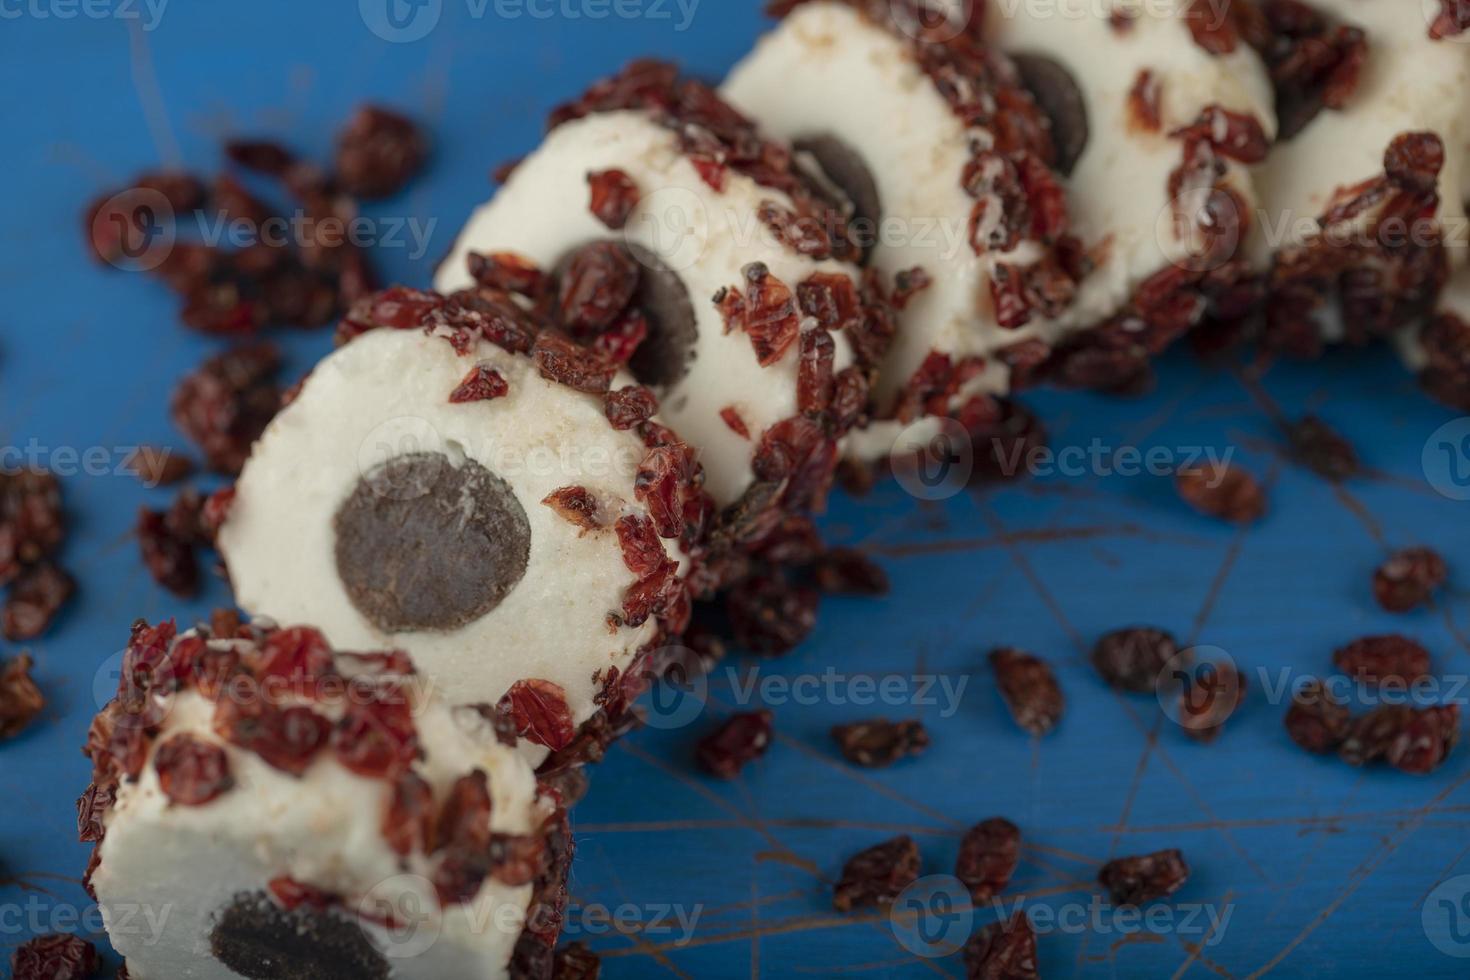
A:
647,356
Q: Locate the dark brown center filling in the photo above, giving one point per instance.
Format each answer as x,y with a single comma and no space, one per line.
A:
1057,94
256,938
424,544
846,170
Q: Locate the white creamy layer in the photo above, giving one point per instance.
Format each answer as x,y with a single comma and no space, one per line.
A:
387,393
168,870
1119,190
703,235
826,69
1410,82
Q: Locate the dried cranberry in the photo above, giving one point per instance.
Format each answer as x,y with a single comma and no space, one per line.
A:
1144,878
377,738
1029,688
804,234
409,820
630,406
1318,447
1317,720
576,505
1143,102
614,196
766,312
989,853
92,808
814,371
1379,659
287,739
878,875
846,571
770,616
730,415
597,285
54,956
1426,740
482,384
540,710
643,552
880,742
1003,951
1134,658
379,152
35,599
20,699
567,363
169,558
32,523
740,740
832,300
661,484
1408,579
192,772
1223,491
225,405
1414,160
908,283
507,271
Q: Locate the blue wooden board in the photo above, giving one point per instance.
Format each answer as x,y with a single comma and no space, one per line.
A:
1302,866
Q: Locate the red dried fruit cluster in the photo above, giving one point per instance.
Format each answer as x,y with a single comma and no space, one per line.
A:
740,740
1379,250
1144,878
1220,490
880,742
1317,720
226,403
32,530
1412,740
1029,688
20,699
878,875
1314,63
55,956
379,152
989,853
717,139
1408,579
659,590
168,541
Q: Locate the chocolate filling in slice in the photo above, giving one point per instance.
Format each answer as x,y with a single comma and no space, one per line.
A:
424,543
1056,92
259,939
846,170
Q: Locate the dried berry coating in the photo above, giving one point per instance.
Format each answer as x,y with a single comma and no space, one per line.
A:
1144,878
740,740
1134,659
878,875
989,853
880,742
1029,688
1408,579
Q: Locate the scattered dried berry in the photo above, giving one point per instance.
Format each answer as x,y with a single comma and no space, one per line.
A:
20,699
1136,880
1413,740
159,467
770,616
989,853
1223,491
54,956
880,742
1384,659
1133,659
1029,688
481,384
878,875
1409,579
614,196
741,739
1318,447
379,152
847,571
192,772
168,556
1317,720
32,524
36,597
1003,951
226,403
540,711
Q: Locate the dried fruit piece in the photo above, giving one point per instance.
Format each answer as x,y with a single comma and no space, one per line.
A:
878,875
20,699
565,362
379,152
192,772
1319,447
1029,688
377,737
1426,739
540,711
409,820
770,616
741,739
1408,579
1144,878
1383,659
630,406
989,853
158,467
597,285
614,196
226,403
766,312
1134,658
36,597
1003,951
847,571
575,961
168,556
576,505
482,384
1223,491
1317,720
55,956
880,742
